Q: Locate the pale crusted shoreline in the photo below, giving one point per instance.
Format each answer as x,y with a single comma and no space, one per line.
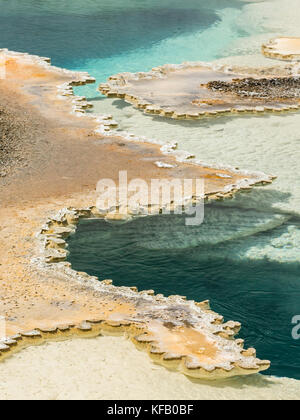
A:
111,368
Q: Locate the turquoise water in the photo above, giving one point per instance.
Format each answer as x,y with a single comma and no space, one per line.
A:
105,37
161,253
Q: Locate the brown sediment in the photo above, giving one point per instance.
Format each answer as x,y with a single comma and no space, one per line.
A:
283,48
182,91
42,298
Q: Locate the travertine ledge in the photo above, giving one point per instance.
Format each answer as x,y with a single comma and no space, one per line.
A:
182,91
42,298
283,49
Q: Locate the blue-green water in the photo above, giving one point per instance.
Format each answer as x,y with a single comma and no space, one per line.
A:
160,253
105,37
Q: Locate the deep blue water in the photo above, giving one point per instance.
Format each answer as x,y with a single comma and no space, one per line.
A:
263,295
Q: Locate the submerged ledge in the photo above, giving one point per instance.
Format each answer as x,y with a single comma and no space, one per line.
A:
42,297
183,91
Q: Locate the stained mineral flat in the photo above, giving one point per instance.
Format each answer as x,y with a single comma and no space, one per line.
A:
192,91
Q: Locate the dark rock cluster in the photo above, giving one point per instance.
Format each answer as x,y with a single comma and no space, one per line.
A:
272,88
